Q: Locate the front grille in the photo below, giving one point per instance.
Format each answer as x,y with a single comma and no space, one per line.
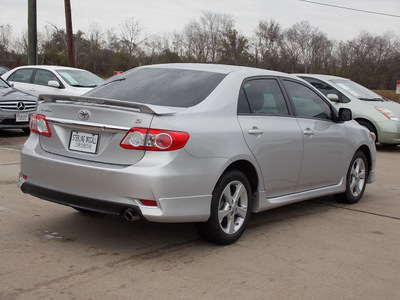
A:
15,105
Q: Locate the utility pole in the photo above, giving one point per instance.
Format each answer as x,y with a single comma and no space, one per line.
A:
32,33
70,36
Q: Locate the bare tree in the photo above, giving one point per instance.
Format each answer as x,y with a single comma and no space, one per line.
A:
298,43
131,36
5,42
268,44
203,38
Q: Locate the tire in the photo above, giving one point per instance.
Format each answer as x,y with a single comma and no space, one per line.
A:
369,126
230,209
356,179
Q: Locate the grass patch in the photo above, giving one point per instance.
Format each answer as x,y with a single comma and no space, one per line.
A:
391,95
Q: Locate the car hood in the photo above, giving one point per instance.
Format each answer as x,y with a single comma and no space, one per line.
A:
7,94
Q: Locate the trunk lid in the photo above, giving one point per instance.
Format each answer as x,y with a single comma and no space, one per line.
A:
91,129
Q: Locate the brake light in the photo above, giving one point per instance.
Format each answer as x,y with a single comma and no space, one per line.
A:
154,139
39,125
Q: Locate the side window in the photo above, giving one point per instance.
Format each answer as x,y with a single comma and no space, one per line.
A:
43,77
306,102
23,75
263,97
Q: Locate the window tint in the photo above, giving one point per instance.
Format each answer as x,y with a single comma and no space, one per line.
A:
43,77
262,96
306,102
321,86
326,89
159,86
23,75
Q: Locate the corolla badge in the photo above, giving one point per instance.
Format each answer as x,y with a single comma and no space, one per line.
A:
84,114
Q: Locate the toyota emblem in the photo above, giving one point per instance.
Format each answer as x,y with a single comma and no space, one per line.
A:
84,114
21,106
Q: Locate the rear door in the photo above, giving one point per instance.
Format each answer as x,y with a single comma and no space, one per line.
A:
272,134
325,140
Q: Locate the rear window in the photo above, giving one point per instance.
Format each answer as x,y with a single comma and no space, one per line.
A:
159,86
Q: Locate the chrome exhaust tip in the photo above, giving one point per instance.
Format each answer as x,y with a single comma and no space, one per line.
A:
131,215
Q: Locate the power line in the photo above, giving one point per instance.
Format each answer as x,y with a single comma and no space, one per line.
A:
354,9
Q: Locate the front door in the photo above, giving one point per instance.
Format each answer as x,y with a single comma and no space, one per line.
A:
325,140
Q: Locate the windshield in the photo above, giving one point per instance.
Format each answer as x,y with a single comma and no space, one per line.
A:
160,86
80,78
356,89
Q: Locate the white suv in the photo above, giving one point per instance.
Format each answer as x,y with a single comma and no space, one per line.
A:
378,114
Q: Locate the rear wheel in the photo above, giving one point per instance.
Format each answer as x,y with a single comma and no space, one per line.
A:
230,209
356,179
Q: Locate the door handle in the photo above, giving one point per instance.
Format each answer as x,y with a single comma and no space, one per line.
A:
308,132
255,131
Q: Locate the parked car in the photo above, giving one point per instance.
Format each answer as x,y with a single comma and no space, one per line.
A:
199,143
3,70
15,107
37,80
379,115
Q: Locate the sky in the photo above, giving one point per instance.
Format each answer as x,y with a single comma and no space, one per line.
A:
159,17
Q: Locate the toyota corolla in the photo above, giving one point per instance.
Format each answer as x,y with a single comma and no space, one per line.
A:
208,144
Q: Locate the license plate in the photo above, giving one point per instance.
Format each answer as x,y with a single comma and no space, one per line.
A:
22,117
83,142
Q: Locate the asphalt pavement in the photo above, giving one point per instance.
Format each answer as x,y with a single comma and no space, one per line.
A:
317,249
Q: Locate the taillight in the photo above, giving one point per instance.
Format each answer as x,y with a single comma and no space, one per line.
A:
154,139
39,125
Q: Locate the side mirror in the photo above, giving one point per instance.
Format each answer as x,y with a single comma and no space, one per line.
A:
333,97
345,114
54,84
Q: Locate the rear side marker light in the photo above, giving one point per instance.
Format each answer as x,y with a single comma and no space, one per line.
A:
148,202
39,125
154,139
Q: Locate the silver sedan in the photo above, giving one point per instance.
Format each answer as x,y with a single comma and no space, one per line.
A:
209,144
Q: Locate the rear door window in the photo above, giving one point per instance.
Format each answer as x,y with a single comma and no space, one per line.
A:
262,97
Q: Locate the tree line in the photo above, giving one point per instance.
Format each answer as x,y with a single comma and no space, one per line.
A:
373,61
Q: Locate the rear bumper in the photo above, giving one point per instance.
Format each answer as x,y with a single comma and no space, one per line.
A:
101,206
180,184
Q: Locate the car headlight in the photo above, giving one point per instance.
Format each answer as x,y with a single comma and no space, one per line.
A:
388,114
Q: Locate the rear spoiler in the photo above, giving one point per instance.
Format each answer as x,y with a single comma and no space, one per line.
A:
145,108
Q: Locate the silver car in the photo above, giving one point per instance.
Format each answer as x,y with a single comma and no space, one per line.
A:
16,107
209,144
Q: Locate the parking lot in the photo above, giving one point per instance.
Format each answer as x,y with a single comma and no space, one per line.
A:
317,249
